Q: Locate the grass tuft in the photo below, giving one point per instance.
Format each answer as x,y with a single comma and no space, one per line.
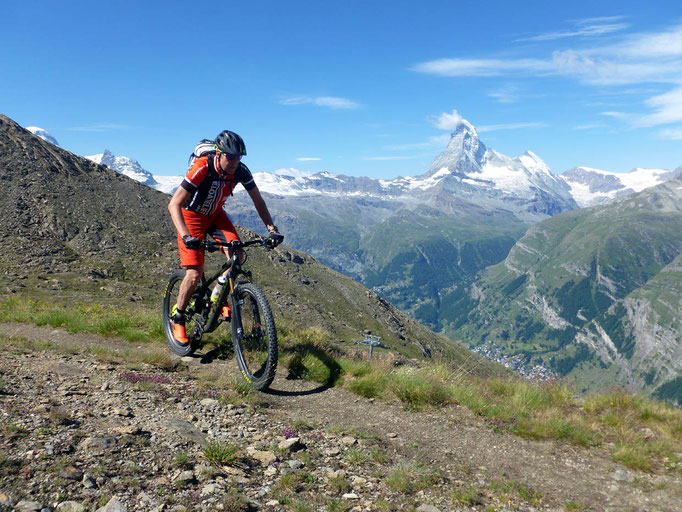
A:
408,477
222,454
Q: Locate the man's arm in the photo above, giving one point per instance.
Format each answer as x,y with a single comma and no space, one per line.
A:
262,208
175,208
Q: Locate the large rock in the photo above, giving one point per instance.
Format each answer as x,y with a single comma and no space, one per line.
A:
264,457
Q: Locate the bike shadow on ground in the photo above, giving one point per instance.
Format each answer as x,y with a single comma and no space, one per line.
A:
311,363
308,362
219,350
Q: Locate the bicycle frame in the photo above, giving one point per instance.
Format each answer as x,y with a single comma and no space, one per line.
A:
211,320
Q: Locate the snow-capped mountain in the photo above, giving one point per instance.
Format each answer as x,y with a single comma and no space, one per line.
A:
524,184
132,168
124,165
590,187
466,170
167,184
43,134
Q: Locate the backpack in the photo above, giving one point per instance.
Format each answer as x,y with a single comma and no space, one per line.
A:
204,147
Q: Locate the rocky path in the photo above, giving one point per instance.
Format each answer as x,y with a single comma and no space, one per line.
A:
87,431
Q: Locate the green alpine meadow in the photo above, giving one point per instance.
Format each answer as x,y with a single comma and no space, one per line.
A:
594,294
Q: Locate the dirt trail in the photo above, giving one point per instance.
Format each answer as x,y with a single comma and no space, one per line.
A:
450,439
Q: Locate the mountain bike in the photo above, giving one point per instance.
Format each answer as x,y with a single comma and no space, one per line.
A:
254,336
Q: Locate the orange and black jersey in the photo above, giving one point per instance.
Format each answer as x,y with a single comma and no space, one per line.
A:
208,188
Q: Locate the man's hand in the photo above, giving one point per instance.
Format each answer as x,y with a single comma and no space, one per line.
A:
191,242
275,238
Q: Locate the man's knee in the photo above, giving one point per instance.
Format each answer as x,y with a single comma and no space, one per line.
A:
193,274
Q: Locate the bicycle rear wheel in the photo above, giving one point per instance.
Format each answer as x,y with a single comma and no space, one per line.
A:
254,335
170,300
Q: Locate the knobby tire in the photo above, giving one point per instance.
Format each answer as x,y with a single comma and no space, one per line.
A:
254,336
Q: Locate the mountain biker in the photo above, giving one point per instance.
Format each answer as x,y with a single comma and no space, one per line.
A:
197,210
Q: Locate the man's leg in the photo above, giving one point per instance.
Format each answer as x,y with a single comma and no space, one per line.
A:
189,283
223,231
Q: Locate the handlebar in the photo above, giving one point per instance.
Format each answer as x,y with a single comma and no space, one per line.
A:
237,244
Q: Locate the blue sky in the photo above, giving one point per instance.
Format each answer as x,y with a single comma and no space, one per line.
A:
355,87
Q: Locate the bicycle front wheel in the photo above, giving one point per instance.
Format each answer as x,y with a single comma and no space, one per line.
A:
254,335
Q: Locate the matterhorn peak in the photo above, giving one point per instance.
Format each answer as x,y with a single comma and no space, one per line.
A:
465,126
465,150
107,158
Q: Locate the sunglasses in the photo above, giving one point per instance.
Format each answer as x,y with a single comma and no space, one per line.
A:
232,157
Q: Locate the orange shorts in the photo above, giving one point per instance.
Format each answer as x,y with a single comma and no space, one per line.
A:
217,225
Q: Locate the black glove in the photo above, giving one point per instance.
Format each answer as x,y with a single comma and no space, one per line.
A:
275,238
191,242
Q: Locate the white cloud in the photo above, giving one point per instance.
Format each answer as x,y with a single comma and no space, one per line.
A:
509,126
506,94
482,67
593,126
600,19
668,109
321,101
308,159
291,172
596,69
616,115
671,133
588,27
662,44
637,59
447,121
98,127
374,158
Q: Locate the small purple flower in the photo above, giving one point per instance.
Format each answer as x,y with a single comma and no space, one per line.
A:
288,433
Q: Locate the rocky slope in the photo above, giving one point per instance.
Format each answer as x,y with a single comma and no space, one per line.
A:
84,426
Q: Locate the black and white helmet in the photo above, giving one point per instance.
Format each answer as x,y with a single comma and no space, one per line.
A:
231,143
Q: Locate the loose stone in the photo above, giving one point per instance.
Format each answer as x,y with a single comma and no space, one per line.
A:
71,473
427,508
293,444
70,506
114,505
28,506
264,457
88,482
